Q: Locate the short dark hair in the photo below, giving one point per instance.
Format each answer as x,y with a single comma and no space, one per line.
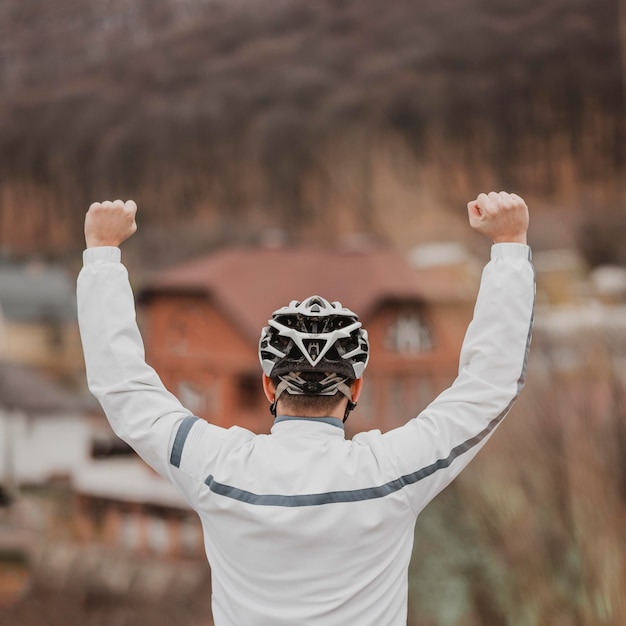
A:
306,405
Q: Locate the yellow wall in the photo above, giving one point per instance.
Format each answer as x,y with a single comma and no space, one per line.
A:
52,347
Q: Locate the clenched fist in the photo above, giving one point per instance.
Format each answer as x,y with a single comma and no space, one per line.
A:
110,223
503,217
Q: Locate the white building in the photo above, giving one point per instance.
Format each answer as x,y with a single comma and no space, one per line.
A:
45,431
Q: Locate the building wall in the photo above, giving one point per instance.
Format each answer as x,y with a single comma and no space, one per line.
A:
203,359
53,346
138,528
415,351
35,449
3,336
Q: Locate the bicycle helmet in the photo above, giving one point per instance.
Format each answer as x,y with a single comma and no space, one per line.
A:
314,336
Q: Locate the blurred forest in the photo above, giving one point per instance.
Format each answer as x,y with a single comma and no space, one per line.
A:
535,528
321,119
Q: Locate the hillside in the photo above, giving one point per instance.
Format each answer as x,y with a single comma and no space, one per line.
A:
325,118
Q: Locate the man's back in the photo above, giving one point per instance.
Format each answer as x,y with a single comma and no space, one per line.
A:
296,531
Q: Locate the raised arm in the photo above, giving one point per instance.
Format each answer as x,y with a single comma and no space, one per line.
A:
139,408
431,449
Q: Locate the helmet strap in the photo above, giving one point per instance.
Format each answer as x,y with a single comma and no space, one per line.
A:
282,386
351,406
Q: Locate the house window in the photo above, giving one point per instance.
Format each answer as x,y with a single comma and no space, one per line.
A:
178,334
191,397
158,535
200,400
103,447
55,337
190,537
130,532
408,334
248,390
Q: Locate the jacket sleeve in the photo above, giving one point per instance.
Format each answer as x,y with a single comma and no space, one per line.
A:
430,450
139,408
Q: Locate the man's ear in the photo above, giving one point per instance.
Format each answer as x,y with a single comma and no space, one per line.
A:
356,387
268,388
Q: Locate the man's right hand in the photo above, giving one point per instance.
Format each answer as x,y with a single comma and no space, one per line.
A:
110,223
503,217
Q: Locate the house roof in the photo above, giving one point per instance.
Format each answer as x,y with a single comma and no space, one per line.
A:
36,292
25,389
248,284
126,480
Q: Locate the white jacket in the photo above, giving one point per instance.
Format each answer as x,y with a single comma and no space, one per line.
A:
303,526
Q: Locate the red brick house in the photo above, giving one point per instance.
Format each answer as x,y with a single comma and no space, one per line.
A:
203,320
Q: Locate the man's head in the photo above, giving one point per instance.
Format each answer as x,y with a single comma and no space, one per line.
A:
315,353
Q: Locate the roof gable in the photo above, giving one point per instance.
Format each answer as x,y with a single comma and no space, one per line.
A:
249,284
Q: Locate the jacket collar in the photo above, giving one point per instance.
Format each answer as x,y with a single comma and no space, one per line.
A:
331,425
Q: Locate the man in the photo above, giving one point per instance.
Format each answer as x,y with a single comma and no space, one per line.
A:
303,526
